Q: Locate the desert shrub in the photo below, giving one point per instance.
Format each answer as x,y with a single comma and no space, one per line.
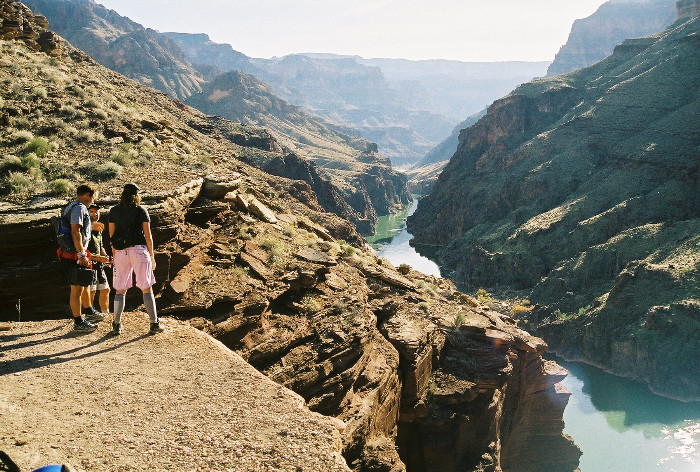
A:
77,90
205,159
459,320
17,90
124,156
38,146
10,164
18,183
2,103
424,306
240,274
30,161
71,112
70,131
101,114
187,148
89,136
275,248
311,304
106,171
92,103
61,188
484,297
521,308
289,231
346,248
146,145
427,288
339,307
21,136
39,92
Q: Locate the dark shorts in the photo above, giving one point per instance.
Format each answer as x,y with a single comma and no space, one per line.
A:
100,281
77,274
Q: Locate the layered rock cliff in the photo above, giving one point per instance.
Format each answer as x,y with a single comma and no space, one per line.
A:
581,189
397,358
594,38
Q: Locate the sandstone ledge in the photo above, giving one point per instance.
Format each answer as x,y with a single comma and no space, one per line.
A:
176,401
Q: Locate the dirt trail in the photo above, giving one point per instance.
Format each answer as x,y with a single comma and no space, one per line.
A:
179,400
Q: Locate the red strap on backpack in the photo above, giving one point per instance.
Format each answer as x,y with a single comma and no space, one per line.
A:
71,256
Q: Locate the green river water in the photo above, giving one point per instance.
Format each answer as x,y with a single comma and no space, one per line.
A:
619,424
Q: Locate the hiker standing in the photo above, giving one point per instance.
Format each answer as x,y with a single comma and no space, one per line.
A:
76,265
132,248
99,257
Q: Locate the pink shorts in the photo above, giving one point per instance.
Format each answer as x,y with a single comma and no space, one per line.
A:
137,260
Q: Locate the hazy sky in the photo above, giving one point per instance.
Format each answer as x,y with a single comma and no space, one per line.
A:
467,30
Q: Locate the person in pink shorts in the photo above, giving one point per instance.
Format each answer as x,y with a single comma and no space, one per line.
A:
132,248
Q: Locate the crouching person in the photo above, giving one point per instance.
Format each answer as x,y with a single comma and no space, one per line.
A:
132,250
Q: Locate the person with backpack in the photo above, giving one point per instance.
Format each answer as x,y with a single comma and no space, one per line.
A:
132,250
76,264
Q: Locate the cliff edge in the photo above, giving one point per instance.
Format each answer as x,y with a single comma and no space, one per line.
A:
176,401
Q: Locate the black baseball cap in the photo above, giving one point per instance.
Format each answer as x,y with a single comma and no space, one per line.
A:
131,189
94,205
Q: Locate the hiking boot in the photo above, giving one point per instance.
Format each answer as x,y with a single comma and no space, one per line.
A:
117,329
156,328
84,326
91,314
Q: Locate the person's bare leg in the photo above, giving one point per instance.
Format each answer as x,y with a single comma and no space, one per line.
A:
104,301
76,293
86,297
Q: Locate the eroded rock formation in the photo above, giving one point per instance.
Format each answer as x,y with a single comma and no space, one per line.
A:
416,373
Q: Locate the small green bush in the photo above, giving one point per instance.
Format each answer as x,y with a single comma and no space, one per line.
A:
39,92
125,156
10,164
21,136
61,188
311,304
38,146
31,161
459,320
18,183
107,171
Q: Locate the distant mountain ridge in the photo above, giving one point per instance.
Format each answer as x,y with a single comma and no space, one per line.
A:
157,60
582,191
594,38
122,45
406,107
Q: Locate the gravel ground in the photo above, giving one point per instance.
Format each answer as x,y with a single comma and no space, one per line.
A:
179,400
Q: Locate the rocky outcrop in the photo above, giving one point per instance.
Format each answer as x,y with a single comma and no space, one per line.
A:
18,22
687,8
575,190
594,38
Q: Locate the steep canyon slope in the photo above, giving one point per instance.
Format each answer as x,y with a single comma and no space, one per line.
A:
583,189
594,38
357,185
416,374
